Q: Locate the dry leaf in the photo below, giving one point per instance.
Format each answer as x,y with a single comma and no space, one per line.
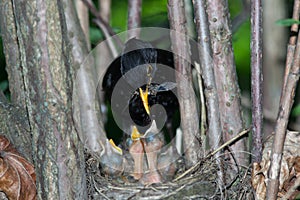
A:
17,176
290,166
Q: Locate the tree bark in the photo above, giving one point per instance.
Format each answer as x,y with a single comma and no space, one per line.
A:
256,79
187,100
291,79
207,66
45,57
12,55
225,73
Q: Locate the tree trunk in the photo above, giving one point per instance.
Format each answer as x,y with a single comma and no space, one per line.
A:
42,45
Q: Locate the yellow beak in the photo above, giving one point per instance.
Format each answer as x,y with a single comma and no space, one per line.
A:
144,97
135,135
115,146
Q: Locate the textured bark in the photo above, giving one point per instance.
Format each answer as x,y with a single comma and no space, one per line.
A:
47,72
225,73
187,101
14,121
256,79
12,56
207,66
14,126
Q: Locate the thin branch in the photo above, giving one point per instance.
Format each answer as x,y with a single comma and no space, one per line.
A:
188,110
95,12
256,78
232,140
226,76
286,103
83,15
134,17
292,41
105,10
103,25
110,43
205,53
239,135
91,132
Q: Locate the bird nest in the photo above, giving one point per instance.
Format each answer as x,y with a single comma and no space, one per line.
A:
197,182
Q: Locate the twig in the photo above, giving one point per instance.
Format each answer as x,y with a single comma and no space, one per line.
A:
213,153
98,190
107,30
187,171
292,42
110,43
256,78
228,142
286,103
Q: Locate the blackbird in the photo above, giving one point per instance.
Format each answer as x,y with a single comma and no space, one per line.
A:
143,84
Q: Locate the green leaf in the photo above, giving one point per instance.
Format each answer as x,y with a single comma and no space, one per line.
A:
296,111
287,22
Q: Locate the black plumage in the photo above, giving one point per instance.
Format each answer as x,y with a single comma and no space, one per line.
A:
146,60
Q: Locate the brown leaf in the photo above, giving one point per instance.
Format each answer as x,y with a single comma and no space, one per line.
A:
258,181
17,175
290,165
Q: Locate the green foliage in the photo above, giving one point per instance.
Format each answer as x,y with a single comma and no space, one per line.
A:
296,111
287,22
95,35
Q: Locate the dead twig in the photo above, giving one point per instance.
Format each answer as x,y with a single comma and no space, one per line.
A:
239,135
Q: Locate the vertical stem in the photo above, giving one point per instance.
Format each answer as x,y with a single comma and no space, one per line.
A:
292,41
205,53
83,16
134,17
286,103
256,78
188,109
226,77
